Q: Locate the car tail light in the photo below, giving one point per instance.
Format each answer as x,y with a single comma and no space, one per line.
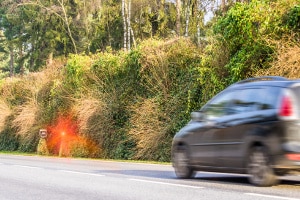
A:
295,157
286,107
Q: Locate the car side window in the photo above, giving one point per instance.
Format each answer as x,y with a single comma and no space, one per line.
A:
218,107
253,99
243,101
270,95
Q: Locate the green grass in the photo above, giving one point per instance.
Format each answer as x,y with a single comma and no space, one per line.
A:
110,160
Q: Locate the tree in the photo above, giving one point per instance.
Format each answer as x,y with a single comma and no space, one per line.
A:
12,29
58,8
38,30
127,29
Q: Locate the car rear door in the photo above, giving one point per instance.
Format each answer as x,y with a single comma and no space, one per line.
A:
253,110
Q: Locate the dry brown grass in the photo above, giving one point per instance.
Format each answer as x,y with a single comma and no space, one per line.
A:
161,59
26,117
287,62
155,67
36,80
147,128
5,111
26,87
85,108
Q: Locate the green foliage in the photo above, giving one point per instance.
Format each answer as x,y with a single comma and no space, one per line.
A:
125,149
79,150
244,31
53,99
37,30
30,141
292,18
47,112
82,148
9,141
213,76
117,80
167,78
75,70
106,27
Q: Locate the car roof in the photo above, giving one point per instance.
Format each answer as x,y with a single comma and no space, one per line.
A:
276,81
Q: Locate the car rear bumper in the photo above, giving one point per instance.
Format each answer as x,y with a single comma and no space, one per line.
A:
288,163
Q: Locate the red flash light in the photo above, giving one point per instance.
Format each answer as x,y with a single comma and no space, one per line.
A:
63,131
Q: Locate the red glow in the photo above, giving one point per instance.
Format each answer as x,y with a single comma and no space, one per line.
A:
295,157
62,133
64,139
286,108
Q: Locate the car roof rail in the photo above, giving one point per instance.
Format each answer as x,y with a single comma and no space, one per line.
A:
263,78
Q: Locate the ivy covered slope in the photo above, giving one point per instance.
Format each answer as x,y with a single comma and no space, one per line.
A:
129,105
109,105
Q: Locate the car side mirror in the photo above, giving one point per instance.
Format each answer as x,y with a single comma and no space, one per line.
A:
197,116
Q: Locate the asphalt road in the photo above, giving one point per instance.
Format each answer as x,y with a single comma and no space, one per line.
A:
34,177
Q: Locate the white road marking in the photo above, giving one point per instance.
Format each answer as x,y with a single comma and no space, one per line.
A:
65,171
82,173
271,196
164,183
28,167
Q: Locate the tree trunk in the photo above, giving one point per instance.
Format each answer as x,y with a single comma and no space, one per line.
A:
50,59
129,25
21,59
223,4
199,21
124,25
133,39
11,62
178,17
187,18
198,31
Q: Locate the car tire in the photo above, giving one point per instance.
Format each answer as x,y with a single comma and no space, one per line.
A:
259,169
181,164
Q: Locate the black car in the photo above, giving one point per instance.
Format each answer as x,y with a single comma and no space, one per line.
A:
251,127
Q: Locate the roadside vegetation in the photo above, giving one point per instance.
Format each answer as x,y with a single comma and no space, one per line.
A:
118,104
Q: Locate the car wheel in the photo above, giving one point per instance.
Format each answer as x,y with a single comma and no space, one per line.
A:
181,164
259,169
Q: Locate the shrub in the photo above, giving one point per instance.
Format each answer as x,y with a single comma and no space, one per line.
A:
84,148
287,60
15,91
75,73
5,111
30,140
213,76
42,148
147,128
292,18
93,118
246,29
168,74
9,140
25,117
